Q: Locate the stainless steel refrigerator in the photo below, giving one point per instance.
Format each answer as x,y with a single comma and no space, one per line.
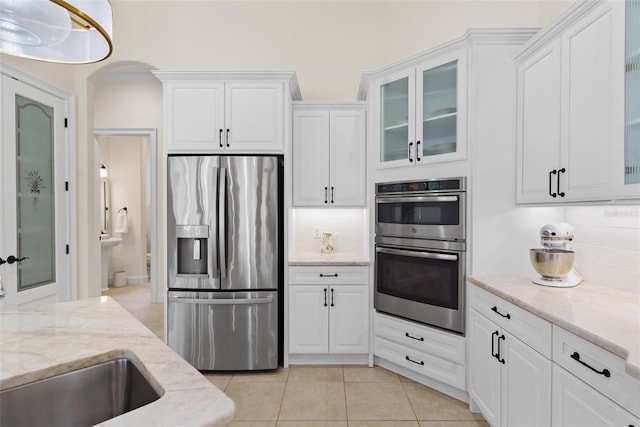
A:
224,231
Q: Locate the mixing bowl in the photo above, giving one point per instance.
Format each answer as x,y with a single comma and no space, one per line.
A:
552,264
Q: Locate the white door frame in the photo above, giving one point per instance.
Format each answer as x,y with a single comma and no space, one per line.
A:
150,133
71,290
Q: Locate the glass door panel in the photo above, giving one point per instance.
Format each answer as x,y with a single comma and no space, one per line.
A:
35,193
394,119
632,89
439,109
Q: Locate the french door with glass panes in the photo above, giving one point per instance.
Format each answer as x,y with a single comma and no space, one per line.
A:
35,266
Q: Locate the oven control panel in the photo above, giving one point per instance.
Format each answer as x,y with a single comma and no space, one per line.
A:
430,185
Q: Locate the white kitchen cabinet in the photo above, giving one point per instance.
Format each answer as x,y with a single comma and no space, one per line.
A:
578,405
510,379
571,108
329,156
217,112
328,314
419,112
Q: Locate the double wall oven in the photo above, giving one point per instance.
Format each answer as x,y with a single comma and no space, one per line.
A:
420,251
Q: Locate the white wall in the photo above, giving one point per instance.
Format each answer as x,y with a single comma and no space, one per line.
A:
607,245
350,226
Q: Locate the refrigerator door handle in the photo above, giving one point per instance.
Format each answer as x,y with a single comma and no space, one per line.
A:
226,301
222,222
213,240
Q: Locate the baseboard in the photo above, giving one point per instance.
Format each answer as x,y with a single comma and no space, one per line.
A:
328,359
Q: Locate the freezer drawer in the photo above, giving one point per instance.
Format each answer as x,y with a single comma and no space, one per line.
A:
224,331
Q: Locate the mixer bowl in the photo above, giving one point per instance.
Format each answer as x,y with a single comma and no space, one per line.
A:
552,264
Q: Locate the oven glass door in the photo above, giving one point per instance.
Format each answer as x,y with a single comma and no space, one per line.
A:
431,217
425,277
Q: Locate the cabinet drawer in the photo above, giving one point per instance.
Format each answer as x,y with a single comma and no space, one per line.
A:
531,329
329,275
425,364
618,385
417,337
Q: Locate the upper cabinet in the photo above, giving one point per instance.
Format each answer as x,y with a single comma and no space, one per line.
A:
571,144
419,111
215,112
329,143
632,94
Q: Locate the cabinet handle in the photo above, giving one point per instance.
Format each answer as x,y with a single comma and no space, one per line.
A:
325,297
494,308
563,170
220,138
332,305
493,352
500,359
326,198
418,151
329,275
576,356
421,363
553,172
410,146
331,194
228,138
408,335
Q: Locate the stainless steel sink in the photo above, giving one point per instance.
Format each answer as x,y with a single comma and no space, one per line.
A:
84,397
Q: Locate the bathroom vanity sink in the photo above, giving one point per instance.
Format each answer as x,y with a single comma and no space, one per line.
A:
110,242
82,397
105,245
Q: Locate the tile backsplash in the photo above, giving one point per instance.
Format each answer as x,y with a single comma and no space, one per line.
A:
607,244
350,226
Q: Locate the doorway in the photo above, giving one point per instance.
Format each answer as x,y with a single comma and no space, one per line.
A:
128,199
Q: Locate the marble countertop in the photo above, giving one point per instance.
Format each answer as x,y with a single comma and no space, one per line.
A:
606,317
336,258
39,342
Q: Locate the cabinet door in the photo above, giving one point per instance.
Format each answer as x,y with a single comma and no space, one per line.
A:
525,384
308,319
254,117
588,113
311,158
440,109
194,115
349,319
576,404
396,119
539,126
347,165
485,369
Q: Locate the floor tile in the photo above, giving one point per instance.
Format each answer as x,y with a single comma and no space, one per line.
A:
279,375
383,424
475,423
312,424
316,374
219,380
256,401
365,374
313,401
378,401
253,424
430,404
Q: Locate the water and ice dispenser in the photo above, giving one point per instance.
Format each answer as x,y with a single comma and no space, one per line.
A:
192,249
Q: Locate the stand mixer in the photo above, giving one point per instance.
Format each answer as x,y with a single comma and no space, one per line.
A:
554,261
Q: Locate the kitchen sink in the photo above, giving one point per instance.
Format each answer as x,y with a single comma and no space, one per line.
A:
83,397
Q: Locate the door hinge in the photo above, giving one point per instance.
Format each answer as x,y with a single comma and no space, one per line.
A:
66,186
67,249
66,122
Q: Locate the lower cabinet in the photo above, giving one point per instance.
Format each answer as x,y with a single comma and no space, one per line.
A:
577,404
328,314
511,382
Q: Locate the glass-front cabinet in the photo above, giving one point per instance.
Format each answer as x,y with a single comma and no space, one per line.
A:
422,113
632,93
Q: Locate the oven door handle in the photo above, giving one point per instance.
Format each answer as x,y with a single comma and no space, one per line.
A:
418,199
418,254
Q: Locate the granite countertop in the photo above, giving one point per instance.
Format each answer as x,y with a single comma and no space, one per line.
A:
39,342
336,258
603,316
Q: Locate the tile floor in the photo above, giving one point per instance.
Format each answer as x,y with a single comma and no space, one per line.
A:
318,396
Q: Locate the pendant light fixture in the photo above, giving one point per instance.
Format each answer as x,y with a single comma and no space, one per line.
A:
70,32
